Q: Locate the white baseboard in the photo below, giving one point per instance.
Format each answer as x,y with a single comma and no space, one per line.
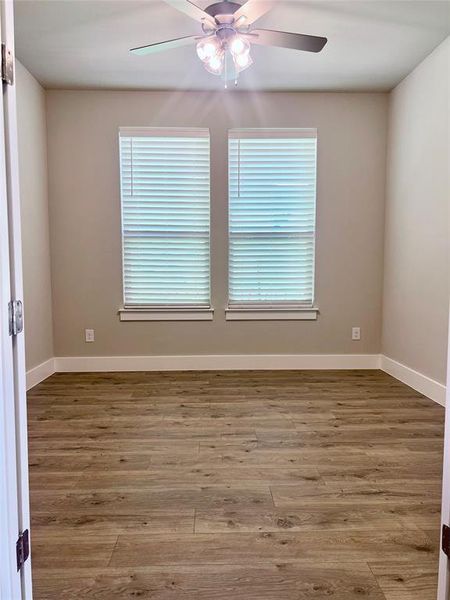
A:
40,372
217,362
419,382
68,364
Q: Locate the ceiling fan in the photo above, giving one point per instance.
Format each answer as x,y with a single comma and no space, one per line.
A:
227,34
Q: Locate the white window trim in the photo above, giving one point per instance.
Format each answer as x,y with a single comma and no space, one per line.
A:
166,314
272,313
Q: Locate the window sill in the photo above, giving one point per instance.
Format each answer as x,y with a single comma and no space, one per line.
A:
168,314
271,314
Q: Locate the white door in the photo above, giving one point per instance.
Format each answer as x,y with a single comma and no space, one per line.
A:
444,564
14,501
9,578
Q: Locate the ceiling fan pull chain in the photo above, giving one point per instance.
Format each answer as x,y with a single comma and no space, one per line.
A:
226,71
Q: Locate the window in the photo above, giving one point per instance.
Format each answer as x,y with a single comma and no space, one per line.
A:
272,201
165,219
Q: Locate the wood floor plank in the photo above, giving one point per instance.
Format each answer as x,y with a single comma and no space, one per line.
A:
133,551
379,472
45,462
77,521
73,551
294,456
361,492
157,476
83,444
51,480
174,497
316,516
434,534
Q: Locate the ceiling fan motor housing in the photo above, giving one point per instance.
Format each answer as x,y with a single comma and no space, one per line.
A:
223,14
225,7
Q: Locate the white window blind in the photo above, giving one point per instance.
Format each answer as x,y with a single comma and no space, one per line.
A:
272,201
165,217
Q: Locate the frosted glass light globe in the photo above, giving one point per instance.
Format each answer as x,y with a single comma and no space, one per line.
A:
239,46
206,49
242,60
215,63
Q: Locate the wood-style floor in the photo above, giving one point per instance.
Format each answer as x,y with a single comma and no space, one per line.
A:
234,486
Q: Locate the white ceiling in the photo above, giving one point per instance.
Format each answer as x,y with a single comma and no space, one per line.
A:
372,45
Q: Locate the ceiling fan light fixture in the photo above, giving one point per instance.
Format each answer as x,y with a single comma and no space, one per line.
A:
229,35
207,48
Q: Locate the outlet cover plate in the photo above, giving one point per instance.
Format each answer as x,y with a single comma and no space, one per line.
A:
356,333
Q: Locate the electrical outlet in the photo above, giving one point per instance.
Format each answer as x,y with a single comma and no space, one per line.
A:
356,333
89,335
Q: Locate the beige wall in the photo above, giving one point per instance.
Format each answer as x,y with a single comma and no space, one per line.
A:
416,270
31,117
85,220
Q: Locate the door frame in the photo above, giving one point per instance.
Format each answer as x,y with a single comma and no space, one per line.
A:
13,348
444,562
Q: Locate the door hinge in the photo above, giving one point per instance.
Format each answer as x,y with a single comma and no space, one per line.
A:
7,65
446,540
15,313
22,548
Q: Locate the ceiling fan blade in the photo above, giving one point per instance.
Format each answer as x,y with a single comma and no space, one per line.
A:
252,10
284,39
161,46
192,10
